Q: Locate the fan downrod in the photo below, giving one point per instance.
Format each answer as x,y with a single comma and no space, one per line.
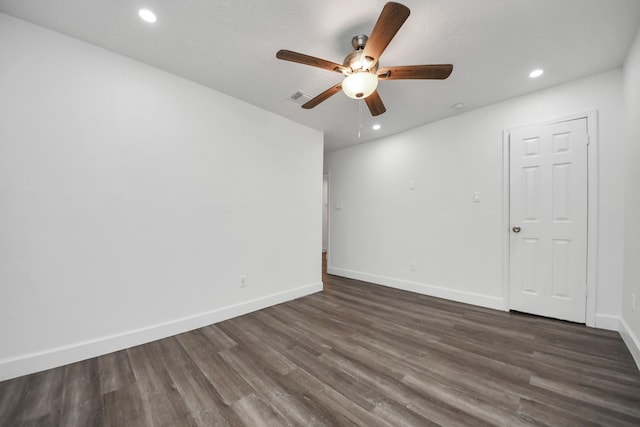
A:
358,42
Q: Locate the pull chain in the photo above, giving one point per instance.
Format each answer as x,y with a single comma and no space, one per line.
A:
359,118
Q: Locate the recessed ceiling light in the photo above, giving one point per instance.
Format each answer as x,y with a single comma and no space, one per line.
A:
147,15
376,126
457,106
536,73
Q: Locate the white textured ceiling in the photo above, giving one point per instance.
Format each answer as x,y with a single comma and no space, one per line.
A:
230,46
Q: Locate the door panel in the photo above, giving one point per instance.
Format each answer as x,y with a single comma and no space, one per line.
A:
530,262
548,202
531,193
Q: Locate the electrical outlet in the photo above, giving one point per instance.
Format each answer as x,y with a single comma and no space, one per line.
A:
243,281
412,266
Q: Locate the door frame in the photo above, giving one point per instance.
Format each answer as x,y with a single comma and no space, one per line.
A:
592,208
327,173
325,211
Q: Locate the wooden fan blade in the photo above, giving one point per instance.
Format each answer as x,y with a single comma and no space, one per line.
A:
389,22
375,104
435,71
323,96
301,58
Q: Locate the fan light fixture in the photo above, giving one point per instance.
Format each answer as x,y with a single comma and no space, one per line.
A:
360,84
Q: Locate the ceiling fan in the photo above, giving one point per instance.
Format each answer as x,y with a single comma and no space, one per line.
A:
360,67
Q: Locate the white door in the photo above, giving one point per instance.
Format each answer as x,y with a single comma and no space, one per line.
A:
548,218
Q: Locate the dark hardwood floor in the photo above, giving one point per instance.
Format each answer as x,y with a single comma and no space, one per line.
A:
356,354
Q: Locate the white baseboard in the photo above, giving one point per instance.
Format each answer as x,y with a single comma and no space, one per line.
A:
481,300
631,340
608,322
51,358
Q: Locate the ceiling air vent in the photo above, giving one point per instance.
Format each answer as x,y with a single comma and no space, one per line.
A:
299,97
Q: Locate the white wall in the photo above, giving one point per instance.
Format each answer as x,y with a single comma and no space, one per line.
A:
631,318
131,202
457,244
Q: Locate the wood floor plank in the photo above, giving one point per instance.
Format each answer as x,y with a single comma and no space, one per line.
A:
162,402
81,397
392,389
124,407
217,338
535,411
346,411
42,397
356,354
265,382
49,420
214,418
249,335
294,336
254,412
227,382
321,415
618,377
12,396
491,389
464,401
115,371
344,383
399,415
195,390
198,394
444,414
629,406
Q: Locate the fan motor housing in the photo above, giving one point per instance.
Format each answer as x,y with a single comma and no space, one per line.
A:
354,60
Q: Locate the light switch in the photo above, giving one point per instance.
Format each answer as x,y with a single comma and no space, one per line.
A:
412,185
339,206
476,197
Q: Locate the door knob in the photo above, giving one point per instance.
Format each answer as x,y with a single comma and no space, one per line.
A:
516,229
